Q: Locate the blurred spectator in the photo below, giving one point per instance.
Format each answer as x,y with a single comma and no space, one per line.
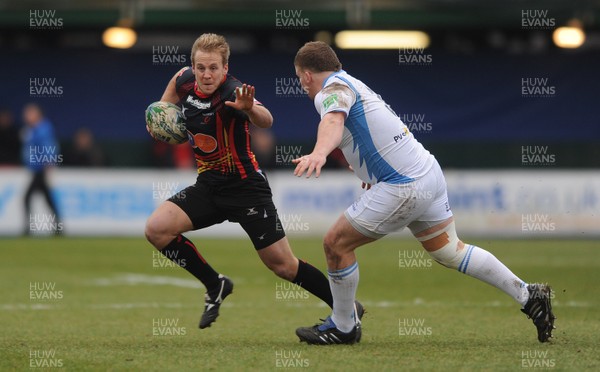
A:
161,152
336,160
9,138
263,147
40,152
169,156
84,152
183,156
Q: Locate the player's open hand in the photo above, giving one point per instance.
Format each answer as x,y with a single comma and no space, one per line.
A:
244,98
309,164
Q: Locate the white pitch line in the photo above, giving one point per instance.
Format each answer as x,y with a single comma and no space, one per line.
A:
231,304
143,279
116,306
56,305
140,305
32,306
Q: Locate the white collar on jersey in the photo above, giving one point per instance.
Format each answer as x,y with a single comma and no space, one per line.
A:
330,76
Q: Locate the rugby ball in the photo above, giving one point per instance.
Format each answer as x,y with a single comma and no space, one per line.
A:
165,122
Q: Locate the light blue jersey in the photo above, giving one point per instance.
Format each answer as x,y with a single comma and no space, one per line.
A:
376,143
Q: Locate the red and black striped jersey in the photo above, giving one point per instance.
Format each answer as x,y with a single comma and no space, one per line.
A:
218,133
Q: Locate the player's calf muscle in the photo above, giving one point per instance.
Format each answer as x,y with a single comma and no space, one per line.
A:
284,270
278,257
334,252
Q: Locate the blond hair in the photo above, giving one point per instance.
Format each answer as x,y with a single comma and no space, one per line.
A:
211,43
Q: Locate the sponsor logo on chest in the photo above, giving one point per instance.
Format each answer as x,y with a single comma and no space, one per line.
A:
197,104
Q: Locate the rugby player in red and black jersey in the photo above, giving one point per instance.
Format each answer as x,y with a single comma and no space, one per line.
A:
218,109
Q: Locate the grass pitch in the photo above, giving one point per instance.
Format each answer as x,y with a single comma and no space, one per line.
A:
112,304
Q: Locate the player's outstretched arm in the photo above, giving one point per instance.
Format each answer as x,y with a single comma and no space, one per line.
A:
244,101
329,136
260,116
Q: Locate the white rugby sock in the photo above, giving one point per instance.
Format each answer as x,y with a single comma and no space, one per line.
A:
343,285
484,266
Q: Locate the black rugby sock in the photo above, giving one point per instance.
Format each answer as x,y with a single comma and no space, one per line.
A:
184,253
314,281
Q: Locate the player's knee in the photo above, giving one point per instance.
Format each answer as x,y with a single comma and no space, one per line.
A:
151,231
445,247
155,232
450,255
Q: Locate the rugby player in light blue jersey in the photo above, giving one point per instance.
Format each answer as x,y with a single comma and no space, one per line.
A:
405,188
